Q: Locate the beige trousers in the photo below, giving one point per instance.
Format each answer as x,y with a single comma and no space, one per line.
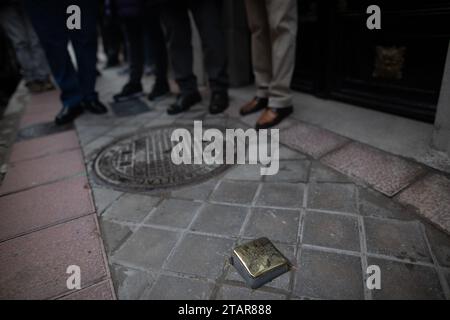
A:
273,25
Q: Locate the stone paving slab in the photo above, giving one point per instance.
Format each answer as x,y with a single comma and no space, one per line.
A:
31,173
311,140
26,150
147,248
282,195
341,197
400,239
406,281
199,255
114,234
34,266
100,291
174,213
291,171
175,288
131,207
332,231
326,275
440,245
242,293
277,225
431,198
43,206
130,283
220,219
385,172
235,192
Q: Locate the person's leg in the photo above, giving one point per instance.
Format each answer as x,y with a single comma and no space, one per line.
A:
283,37
261,47
158,46
84,43
207,16
49,21
282,17
176,21
134,33
39,60
15,29
261,55
179,37
111,39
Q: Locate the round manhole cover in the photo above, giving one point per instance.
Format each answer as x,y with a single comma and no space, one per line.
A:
142,162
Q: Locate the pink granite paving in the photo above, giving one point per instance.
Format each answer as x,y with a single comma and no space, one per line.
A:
42,108
311,140
34,266
383,171
101,291
431,198
43,206
39,147
48,219
31,173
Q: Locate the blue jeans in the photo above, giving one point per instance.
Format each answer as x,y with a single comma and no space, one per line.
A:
49,20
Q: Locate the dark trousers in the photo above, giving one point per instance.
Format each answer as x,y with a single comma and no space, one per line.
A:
49,20
138,30
207,18
111,36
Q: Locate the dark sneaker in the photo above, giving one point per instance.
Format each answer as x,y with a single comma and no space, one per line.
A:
68,114
158,91
184,102
129,92
95,106
219,102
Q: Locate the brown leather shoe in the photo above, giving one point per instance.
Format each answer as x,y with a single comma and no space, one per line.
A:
272,116
255,105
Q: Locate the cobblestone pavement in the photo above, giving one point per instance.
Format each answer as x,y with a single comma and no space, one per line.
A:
175,244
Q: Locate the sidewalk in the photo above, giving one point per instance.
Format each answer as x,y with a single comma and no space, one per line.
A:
335,207
48,219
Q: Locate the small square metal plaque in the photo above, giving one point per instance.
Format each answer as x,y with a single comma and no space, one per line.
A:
259,262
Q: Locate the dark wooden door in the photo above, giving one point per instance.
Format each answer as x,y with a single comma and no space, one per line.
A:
397,69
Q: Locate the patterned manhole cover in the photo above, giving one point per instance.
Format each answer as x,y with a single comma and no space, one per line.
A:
142,162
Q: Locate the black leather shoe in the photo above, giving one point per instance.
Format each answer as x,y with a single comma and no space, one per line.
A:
67,115
95,106
272,116
184,102
219,102
129,91
160,89
255,105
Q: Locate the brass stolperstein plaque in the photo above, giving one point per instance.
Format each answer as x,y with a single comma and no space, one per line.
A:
259,262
